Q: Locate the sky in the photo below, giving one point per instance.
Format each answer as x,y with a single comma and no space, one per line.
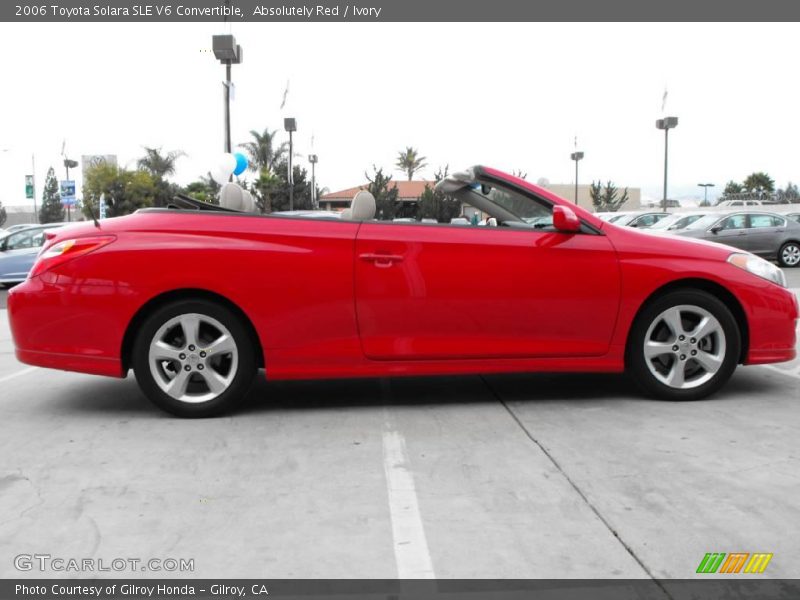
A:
508,95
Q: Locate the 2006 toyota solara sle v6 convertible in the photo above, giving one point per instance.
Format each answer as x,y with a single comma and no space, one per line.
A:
197,298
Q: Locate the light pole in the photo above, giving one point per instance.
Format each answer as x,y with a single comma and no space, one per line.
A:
290,125
576,156
705,187
32,183
227,52
666,124
312,158
69,164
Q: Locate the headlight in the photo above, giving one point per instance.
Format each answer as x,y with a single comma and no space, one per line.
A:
759,267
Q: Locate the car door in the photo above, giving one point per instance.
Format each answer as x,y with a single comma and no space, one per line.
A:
457,292
765,234
732,230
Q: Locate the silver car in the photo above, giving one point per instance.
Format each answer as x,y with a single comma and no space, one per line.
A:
768,235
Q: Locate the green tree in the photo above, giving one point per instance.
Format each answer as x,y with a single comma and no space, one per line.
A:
52,211
607,198
159,166
385,196
203,189
732,187
433,204
758,182
263,153
279,188
264,158
409,161
3,215
125,191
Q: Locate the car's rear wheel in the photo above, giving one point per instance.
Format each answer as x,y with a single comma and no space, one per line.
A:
194,358
789,254
684,346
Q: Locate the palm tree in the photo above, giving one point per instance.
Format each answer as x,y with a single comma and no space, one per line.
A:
264,156
157,164
262,152
759,182
410,162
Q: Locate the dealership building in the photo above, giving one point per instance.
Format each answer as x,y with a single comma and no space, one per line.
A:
410,192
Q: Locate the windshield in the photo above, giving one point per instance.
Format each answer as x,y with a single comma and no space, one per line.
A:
523,206
616,218
676,221
705,222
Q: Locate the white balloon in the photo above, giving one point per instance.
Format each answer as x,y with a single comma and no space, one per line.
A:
227,163
219,176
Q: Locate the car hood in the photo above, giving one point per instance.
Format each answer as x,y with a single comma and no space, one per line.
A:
672,243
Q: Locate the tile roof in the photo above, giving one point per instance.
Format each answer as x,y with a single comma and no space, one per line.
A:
405,189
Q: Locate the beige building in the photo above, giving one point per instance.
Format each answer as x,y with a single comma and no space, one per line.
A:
410,191
567,191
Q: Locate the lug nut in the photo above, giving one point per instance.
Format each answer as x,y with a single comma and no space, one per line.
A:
693,341
191,348
683,357
182,356
187,368
694,352
199,367
681,337
202,355
675,348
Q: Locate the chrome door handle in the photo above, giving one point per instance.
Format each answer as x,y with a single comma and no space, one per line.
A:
381,260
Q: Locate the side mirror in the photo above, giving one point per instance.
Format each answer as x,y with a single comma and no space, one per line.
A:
565,220
716,229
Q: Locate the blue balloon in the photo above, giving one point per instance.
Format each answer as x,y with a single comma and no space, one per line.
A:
241,163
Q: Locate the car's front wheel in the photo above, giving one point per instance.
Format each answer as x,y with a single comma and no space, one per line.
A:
684,346
194,358
789,255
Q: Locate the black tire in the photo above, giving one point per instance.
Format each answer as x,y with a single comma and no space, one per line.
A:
638,365
241,375
793,249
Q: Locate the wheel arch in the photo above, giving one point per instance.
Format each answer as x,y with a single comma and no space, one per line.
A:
717,290
184,294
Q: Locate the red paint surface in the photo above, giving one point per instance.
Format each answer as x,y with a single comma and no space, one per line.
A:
333,298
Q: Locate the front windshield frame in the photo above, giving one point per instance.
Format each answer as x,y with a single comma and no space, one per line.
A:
705,222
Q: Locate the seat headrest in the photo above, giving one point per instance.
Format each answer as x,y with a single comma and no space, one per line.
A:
235,197
362,208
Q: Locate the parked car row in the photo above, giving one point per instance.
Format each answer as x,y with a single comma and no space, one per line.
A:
771,236
19,246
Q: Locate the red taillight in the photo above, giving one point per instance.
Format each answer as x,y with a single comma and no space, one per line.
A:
66,250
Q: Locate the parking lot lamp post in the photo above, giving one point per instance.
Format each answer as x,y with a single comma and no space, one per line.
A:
576,156
228,52
705,187
290,125
312,158
666,124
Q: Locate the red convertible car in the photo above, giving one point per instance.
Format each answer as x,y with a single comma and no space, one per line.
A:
196,300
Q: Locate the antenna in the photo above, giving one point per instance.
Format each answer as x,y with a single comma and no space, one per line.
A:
91,214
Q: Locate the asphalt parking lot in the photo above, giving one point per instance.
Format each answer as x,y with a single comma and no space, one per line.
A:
535,476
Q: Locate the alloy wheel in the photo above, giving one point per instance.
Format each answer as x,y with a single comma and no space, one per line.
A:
790,255
684,347
193,358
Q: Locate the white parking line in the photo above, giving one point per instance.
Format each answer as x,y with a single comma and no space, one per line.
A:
17,374
410,546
